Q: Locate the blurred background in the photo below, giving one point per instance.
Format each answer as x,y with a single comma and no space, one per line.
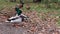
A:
44,13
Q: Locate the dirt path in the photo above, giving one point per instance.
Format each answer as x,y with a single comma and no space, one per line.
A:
42,24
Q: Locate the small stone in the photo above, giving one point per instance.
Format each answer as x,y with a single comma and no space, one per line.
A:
57,16
40,33
56,32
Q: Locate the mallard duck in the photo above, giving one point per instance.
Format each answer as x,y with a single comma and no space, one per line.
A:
19,16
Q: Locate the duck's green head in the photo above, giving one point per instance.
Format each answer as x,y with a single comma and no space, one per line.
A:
18,10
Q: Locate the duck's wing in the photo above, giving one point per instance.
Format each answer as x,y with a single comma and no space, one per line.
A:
23,15
13,19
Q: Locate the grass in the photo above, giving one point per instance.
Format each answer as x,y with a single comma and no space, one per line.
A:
6,4
34,6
